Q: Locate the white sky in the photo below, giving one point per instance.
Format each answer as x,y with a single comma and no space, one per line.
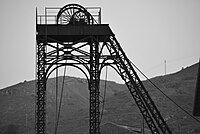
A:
149,31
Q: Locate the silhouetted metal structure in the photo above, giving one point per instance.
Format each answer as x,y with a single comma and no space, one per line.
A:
196,109
78,37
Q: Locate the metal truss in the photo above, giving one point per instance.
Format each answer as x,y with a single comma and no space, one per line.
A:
143,100
41,89
94,88
86,55
74,40
93,56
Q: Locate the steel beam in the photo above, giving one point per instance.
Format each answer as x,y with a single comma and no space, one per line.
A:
94,88
41,90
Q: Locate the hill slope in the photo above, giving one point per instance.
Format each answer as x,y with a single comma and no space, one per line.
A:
179,86
17,104
120,112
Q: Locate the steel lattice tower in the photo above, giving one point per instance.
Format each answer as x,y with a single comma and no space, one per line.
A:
78,37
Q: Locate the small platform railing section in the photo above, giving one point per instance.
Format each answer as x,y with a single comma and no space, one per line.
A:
50,15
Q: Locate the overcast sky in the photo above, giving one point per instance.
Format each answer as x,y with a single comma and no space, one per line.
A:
149,31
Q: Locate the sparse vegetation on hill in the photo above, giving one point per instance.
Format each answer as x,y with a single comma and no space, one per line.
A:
121,114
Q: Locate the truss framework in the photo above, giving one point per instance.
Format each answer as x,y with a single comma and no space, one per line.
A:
90,56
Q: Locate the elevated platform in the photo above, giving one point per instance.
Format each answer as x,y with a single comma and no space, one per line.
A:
72,33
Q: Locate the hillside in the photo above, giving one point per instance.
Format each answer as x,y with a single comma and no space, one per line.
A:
17,104
179,86
121,114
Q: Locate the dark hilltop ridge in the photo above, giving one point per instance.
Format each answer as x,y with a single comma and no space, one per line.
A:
121,115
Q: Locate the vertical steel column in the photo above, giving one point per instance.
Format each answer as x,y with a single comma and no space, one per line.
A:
41,90
196,108
94,87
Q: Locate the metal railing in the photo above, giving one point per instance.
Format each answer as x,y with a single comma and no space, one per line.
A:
50,15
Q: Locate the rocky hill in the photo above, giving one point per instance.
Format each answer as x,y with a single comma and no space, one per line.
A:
121,114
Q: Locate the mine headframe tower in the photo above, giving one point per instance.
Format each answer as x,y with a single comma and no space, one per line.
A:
75,37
